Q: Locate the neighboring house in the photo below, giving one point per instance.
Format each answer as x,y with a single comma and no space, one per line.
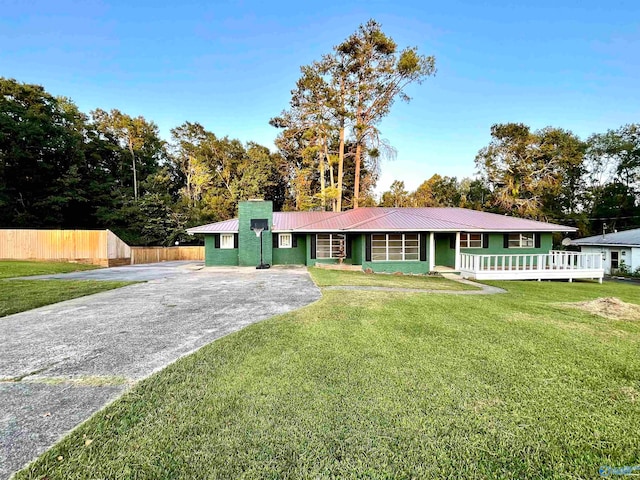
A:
618,250
409,240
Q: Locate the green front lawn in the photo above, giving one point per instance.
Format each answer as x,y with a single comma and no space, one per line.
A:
19,268
384,385
325,278
21,295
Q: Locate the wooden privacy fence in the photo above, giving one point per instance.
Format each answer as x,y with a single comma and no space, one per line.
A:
165,254
98,247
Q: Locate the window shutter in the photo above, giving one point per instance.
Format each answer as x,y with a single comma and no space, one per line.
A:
536,239
294,241
485,240
348,240
235,240
452,241
313,247
216,240
274,238
367,253
423,247
505,240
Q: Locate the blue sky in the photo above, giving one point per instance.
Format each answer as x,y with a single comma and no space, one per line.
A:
230,65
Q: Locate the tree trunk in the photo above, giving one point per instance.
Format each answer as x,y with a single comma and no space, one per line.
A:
332,181
323,198
356,181
340,168
133,164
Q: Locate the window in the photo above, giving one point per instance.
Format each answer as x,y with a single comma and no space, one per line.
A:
470,240
284,240
226,240
395,247
330,245
522,240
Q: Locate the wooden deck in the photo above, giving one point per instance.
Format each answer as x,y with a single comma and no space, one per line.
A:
556,265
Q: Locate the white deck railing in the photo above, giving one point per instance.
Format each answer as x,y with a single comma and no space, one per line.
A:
555,264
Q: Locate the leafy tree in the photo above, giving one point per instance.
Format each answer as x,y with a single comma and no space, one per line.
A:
474,194
351,89
396,196
40,156
375,74
524,168
437,191
137,135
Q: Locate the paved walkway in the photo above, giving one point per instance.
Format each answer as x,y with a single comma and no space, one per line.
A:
61,363
483,289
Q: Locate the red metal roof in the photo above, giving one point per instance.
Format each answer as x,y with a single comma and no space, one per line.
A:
394,219
228,226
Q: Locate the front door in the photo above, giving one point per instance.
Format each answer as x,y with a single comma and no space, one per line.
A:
445,250
615,261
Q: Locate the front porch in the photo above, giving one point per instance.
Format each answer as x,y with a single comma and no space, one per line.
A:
555,265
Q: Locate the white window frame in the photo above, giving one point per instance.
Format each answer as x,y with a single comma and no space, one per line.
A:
404,247
334,241
227,241
523,240
285,240
465,240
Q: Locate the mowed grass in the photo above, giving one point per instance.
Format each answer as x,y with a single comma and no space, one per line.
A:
21,295
384,385
18,268
324,278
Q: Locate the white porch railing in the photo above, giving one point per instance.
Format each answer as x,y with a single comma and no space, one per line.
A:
553,265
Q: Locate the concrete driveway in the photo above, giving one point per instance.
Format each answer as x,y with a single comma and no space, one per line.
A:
61,363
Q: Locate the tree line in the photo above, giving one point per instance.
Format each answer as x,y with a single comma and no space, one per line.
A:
62,168
549,174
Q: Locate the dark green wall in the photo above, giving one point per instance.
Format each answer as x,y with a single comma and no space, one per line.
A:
249,244
445,255
357,249
496,246
215,257
291,256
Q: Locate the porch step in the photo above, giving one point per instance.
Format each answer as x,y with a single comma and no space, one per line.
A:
336,266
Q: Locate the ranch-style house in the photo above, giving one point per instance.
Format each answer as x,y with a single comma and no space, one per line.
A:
477,245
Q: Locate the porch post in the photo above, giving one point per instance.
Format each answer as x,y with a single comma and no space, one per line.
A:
457,260
432,252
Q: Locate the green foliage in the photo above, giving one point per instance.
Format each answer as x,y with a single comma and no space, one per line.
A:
335,110
61,169
523,168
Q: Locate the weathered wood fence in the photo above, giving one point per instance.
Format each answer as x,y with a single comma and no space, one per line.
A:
165,254
98,247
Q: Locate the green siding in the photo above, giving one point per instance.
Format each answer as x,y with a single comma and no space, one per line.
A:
216,257
249,244
496,246
291,256
412,267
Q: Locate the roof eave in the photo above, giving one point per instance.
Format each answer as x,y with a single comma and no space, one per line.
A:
593,244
